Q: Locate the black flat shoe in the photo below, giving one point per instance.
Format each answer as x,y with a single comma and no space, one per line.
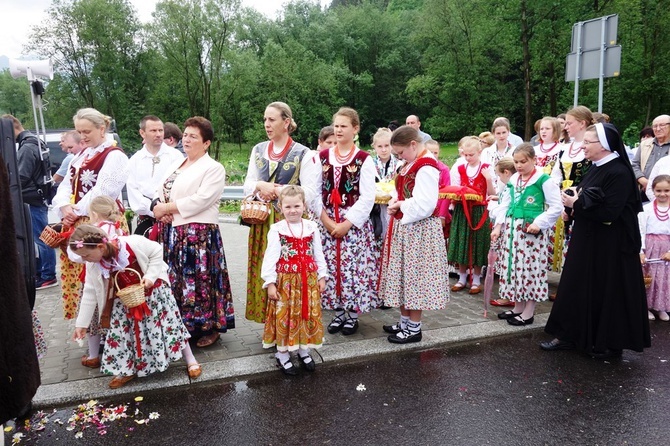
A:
404,337
519,321
392,329
384,307
350,328
556,344
309,366
337,323
290,371
508,314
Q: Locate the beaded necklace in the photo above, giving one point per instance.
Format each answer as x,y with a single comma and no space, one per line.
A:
661,215
277,156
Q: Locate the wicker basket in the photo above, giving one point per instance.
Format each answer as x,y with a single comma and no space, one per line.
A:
253,211
133,295
53,235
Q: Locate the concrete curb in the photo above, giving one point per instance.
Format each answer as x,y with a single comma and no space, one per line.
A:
238,368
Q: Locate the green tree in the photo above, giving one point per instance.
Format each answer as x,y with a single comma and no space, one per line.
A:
15,97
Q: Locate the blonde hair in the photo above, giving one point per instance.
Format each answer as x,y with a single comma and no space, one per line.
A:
104,207
555,127
381,132
94,116
286,113
292,190
581,113
470,141
487,138
505,163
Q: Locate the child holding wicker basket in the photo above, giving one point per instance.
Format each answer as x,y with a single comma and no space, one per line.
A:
146,331
655,230
104,213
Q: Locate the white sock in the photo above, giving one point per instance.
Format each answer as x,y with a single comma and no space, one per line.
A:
304,354
414,327
463,278
403,321
187,353
476,279
284,358
353,315
93,346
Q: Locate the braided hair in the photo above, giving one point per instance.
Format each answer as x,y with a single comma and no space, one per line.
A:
91,236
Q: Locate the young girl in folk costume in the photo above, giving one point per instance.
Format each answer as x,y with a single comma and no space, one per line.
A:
100,169
547,153
273,164
505,169
445,180
502,147
414,265
572,165
347,188
386,166
326,138
294,271
104,213
141,340
529,209
655,230
470,228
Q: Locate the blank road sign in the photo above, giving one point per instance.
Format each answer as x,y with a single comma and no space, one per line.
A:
591,33
589,66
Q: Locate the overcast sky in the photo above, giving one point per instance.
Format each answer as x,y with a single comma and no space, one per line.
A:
19,16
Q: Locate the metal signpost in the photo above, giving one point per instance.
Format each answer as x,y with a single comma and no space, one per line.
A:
594,53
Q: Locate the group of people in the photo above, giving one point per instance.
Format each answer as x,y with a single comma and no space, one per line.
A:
327,244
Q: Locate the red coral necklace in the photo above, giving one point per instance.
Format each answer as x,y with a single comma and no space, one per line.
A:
277,156
661,215
344,160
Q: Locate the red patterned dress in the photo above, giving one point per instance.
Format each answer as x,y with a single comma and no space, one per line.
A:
294,262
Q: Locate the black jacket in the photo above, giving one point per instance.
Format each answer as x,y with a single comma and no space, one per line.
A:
30,168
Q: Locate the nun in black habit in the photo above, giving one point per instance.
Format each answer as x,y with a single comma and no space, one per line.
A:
600,306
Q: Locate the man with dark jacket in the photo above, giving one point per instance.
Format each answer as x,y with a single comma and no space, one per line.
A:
31,174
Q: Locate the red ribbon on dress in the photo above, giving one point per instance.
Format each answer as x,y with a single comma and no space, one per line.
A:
304,290
136,314
336,199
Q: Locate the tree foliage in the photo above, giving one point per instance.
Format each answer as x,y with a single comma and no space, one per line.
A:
458,64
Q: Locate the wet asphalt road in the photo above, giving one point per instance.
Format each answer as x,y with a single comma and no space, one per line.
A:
501,391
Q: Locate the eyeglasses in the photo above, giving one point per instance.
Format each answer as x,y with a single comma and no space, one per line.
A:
661,125
589,142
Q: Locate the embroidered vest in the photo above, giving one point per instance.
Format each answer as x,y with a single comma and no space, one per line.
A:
477,183
349,179
528,203
296,254
85,178
405,183
289,166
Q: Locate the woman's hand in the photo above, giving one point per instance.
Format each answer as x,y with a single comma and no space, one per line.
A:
492,198
486,173
643,258
495,233
569,200
322,284
266,191
272,292
69,217
147,283
394,206
328,222
341,229
666,256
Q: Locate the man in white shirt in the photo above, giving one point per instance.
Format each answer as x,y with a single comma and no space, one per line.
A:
413,121
146,168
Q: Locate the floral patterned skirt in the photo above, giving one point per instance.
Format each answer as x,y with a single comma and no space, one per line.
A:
199,277
284,325
415,271
38,334
524,272
358,269
256,295
468,247
162,337
70,280
658,293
